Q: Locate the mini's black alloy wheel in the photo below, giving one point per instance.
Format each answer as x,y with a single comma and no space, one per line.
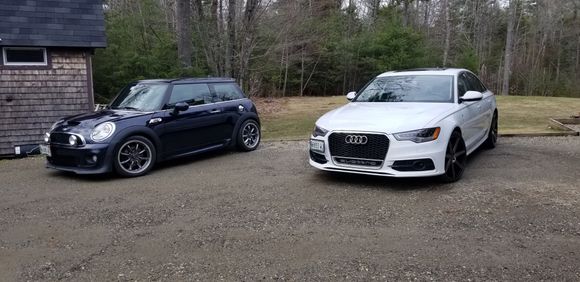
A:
134,157
491,140
455,158
249,135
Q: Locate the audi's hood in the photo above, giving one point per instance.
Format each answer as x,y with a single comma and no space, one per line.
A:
90,120
385,117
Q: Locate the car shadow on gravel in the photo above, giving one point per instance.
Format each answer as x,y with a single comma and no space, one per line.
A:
83,177
159,167
381,182
399,184
189,160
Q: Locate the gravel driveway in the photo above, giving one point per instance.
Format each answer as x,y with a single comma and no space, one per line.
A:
268,215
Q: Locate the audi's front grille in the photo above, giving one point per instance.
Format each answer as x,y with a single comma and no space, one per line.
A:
358,146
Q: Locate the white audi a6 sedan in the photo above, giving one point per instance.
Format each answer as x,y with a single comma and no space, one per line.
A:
412,123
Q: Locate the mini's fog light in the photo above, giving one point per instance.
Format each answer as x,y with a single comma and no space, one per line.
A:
46,138
95,158
72,140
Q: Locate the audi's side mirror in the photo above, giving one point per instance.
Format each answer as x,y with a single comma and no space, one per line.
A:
471,96
350,95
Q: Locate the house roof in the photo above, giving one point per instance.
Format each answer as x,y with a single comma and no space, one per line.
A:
52,23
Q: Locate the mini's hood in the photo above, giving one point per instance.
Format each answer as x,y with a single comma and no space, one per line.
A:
385,117
90,120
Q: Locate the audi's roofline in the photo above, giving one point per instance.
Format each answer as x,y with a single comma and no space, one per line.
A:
426,71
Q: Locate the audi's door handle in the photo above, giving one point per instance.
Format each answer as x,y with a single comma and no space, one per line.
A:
215,111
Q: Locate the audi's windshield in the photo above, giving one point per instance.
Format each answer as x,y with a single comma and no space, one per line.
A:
140,97
408,88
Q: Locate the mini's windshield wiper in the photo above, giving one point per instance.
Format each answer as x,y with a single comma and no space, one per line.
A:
128,108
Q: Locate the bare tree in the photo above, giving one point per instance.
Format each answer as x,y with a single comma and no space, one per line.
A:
509,47
184,41
447,32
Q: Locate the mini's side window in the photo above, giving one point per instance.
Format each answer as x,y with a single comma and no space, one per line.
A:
193,94
226,92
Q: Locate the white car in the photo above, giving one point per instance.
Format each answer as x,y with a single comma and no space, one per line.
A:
413,123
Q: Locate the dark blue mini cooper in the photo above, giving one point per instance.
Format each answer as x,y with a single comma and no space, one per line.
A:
151,121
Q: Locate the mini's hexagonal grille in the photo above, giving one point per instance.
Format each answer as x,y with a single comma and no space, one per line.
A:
59,138
375,148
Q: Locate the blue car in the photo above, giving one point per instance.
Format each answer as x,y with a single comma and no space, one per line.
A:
152,121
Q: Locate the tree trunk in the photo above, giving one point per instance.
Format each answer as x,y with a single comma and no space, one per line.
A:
231,37
509,48
447,32
302,72
559,52
184,41
248,36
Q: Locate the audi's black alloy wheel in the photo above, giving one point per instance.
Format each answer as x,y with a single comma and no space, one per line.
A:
455,158
491,140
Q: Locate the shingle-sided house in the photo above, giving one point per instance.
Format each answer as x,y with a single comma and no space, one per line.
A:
45,66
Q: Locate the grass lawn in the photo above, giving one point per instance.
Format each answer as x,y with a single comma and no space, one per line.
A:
293,118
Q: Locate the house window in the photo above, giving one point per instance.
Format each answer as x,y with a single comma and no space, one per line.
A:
24,56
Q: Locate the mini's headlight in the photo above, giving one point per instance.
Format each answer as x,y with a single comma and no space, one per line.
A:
319,131
103,131
420,135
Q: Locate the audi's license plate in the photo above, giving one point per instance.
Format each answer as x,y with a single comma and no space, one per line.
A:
45,150
317,146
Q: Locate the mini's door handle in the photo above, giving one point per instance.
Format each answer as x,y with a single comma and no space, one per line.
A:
215,111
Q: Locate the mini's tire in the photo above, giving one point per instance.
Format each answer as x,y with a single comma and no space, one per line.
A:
135,156
249,136
455,158
491,140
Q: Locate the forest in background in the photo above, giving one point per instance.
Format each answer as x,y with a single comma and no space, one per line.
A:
277,48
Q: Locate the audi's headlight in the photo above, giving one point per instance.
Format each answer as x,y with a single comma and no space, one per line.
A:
54,125
102,131
319,131
419,136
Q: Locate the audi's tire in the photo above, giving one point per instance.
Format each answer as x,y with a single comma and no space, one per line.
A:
249,136
134,156
455,158
491,140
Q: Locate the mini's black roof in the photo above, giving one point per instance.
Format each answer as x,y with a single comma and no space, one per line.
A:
52,23
189,80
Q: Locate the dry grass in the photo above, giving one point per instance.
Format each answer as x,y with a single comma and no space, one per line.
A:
520,114
293,118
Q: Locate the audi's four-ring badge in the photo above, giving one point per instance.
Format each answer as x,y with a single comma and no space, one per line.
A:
408,123
356,139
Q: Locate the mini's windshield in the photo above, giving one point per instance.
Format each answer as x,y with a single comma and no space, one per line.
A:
140,97
409,88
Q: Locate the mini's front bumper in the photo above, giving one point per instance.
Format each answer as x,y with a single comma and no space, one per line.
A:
88,159
397,151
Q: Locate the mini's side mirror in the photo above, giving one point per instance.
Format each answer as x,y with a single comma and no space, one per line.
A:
180,107
350,95
471,96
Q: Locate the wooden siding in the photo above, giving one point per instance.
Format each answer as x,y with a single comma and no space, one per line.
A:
33,98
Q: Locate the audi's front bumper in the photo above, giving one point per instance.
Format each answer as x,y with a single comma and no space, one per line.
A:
399,152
